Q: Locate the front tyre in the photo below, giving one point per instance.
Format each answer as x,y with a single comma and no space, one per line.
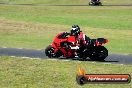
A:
99,53
49,51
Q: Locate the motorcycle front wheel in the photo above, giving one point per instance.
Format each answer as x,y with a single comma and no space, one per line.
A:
49,51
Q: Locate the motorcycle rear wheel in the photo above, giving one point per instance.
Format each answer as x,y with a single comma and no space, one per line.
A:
99,53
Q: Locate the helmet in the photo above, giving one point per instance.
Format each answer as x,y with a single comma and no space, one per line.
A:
75,30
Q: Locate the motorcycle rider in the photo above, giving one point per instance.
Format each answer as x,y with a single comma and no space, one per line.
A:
81,39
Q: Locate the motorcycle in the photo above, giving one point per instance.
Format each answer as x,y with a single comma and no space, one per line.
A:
95,3
64,45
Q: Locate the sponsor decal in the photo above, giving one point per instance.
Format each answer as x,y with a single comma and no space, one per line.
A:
83,78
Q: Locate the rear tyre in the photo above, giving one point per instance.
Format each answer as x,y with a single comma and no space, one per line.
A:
99,53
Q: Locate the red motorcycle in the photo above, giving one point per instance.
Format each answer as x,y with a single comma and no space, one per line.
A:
65,45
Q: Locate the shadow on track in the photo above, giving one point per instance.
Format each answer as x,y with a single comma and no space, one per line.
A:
74,59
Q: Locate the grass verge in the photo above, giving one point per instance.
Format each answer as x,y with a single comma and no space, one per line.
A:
26,73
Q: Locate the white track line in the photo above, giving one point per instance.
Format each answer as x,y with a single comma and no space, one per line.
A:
121,64
26,57
93,62
12,56
107,63
51,59
4,47
20,48
66,60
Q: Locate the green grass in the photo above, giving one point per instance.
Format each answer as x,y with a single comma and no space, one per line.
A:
27,73
99,17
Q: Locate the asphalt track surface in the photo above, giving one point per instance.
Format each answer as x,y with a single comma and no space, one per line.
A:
62,4
112,58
